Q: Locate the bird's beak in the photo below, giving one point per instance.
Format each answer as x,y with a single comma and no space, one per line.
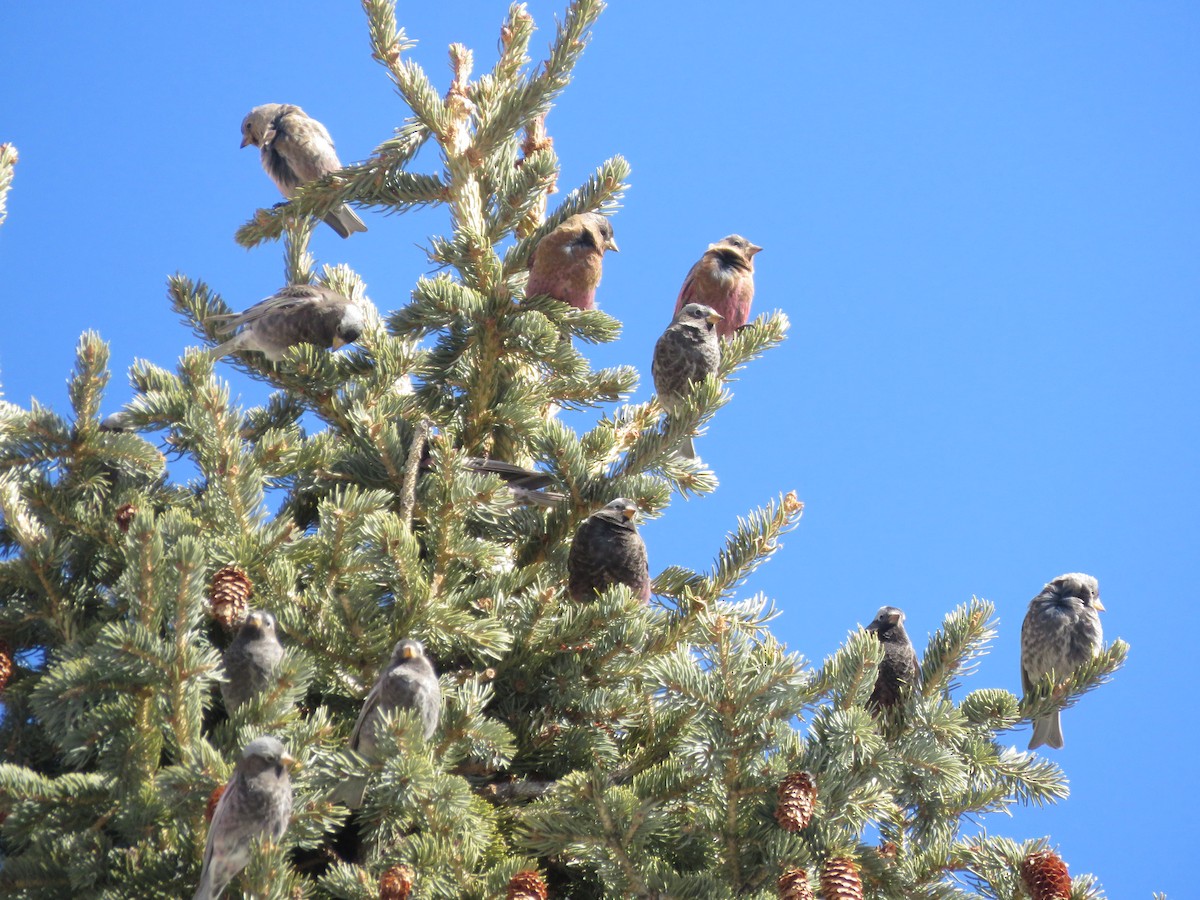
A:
612,245
288,760
629,512
338,343
1097,605
754,248
408,652
245,141
255,619
715,317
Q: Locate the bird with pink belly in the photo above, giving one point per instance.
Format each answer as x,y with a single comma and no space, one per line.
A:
566,263
723,278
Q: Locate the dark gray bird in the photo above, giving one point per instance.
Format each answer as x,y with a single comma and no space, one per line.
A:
688,350
257,801
608,550
252,660
409,681
1060,633
296,149
297,314
899,669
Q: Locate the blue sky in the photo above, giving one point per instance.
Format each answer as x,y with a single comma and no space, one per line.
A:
981,220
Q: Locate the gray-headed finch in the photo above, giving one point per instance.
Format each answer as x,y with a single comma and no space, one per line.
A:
566,263
296,149
723,278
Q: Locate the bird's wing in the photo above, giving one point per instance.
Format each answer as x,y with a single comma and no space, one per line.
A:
288,298
305,144
687,291
219,814
369,706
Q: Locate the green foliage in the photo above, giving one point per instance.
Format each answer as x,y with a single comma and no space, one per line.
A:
624,749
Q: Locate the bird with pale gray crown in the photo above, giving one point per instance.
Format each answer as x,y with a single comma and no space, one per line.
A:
257,802
1060,633
899,669
723,278
566,263
252,660
297,314
608,550
408,681
688,351
296,149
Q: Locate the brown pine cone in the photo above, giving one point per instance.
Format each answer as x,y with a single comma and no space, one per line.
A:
213,799
840,881
229,593
797,795
6,664
1045,876
125,514
396,883
527,885
793,885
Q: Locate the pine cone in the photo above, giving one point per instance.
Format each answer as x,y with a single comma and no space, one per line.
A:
797,794
213,799
396,883
124,516
527,885
1046,877
6,664
793,885
228,595
840,881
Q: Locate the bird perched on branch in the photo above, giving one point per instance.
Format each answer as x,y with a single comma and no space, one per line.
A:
252,660
723,278
898,671
297,314
608,550
1061,632
296,149
566,263
687,352
408,681
256,802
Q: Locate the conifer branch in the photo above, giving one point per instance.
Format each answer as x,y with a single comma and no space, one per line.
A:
1051,694
954,649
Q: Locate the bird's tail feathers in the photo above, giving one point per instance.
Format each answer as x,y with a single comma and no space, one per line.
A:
344,221
1047,730
232,345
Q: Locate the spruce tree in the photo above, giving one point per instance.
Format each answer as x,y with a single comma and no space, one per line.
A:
597,749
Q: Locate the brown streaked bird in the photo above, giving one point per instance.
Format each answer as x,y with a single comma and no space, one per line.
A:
566,263
688,351
408,681
608,550
899,669
1060,633
723,278
297,314
252,660
296,149
256,804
